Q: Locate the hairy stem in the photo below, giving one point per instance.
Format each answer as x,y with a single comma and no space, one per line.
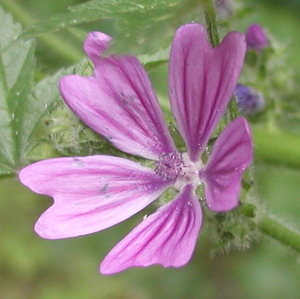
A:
269,225
273,227
211,22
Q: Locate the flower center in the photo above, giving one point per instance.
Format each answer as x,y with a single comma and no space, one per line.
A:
169,165
177,166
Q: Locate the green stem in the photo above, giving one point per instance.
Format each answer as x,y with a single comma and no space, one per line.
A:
270,226
277,146
211,22
56,44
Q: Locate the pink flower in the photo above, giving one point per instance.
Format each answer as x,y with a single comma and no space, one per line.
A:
96,192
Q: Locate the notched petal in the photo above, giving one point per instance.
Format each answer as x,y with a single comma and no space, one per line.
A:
232,153
167,237
118,102
201,82
95,45
90,193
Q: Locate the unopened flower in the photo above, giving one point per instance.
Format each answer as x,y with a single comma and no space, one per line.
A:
249,100
96,192
256,38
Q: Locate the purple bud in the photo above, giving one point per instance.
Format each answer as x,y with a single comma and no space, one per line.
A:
256,38
249,100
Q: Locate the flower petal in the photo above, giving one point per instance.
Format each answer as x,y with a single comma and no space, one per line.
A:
118,102
231,155
201,82
167,237
90,193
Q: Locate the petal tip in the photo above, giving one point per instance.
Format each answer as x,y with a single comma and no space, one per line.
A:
64,86
64,82
190,31
105,269
96,43
22,175
40,231
26,176
45,229
191,26
109,266
50,231
235,40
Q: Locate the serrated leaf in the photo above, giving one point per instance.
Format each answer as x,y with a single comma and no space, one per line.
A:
138,22
16,81
22,104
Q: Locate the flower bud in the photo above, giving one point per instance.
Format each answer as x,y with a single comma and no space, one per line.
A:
249,100
256,38
69,136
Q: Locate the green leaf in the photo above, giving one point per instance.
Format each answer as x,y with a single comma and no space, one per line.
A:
140,23
154,59
44,96
16,81
22,104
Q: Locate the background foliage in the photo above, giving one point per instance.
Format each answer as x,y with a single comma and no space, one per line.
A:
35,268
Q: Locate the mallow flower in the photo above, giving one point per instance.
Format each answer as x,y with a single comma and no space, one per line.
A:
117,101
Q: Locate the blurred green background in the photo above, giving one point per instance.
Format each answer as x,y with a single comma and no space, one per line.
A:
31,267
